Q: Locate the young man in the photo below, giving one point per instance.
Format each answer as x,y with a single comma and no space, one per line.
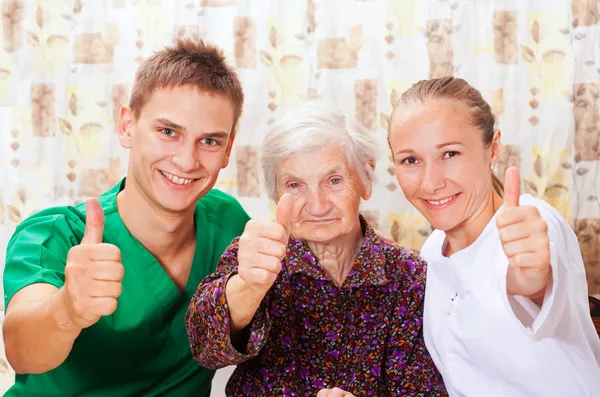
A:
96,294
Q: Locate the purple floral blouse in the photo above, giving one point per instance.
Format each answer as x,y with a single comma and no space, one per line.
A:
365,337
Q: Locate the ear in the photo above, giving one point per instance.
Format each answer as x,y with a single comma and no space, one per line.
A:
228,149
368,188
126,122
495,148
367,191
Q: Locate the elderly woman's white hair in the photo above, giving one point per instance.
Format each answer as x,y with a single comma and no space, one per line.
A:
311,126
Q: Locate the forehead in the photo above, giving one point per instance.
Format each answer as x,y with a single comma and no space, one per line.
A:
314,163
188,106
432,123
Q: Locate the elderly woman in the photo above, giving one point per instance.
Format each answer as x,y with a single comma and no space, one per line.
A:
315,299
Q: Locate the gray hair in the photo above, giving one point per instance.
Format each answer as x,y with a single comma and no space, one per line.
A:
311,126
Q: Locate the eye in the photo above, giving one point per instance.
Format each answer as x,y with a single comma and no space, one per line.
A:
168,132
294,185
210,142
451,153
409,160
335,181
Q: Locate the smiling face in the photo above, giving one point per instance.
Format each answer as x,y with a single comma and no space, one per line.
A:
179,143
326,194
442,163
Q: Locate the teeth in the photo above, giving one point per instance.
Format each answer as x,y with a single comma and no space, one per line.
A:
176,179
444,201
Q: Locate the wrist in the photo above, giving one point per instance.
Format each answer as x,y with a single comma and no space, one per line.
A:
237,285
62,314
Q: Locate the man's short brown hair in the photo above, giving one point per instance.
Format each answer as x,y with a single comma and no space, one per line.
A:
189,62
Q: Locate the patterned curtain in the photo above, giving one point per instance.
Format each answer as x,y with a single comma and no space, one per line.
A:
67,66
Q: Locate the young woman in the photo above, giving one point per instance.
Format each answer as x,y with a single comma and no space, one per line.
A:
506,307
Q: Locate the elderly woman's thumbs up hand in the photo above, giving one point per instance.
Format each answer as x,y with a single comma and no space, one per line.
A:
262,246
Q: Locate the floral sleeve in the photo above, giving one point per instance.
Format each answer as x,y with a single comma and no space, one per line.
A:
207,319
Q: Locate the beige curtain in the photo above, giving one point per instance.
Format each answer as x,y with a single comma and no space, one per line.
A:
67,66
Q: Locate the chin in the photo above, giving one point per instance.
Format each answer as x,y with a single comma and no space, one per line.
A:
444,226
439,223
319,236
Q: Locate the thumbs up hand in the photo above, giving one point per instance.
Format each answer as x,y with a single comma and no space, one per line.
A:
524,236
262,246
93,274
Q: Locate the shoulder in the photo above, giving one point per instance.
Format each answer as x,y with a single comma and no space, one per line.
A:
433,244
50,223
223,211
404,263
557,224
60,222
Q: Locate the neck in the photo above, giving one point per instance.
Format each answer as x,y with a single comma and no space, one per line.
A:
468,231
163,233
337,256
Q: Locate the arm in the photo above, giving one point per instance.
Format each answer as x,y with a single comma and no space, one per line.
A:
34,338
226,323
226,306
44,315
564,297
243,303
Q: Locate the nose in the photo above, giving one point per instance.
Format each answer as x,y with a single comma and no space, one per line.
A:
433,179
186,158
318,204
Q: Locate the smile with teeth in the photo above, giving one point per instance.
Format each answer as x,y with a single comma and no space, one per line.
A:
177,180
441,202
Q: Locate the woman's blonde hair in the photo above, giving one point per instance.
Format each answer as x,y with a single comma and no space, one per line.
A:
456,90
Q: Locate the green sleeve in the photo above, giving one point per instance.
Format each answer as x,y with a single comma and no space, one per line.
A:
36,253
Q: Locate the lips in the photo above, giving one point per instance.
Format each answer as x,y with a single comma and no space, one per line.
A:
441,202
177,179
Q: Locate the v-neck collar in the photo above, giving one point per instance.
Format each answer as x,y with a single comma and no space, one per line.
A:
142,261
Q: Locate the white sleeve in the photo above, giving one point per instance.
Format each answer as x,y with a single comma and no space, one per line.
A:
565,292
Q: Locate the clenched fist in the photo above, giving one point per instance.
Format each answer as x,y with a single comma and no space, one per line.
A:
93,274
262,246
524,236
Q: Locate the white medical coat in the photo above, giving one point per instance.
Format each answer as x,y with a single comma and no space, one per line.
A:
486,343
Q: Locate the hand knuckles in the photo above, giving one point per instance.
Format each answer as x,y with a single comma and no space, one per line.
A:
112,306
120,271
275,264
282,250
503,235
543,226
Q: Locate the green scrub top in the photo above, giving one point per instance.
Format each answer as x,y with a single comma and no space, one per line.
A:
141,349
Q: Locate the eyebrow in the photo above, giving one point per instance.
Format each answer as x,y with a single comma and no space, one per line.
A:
172,125
441,145
168,123
438,147
333,170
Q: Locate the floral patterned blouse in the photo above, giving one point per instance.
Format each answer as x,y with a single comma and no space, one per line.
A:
365,337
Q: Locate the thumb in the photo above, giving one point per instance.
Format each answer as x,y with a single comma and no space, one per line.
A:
512,187
94,223
283,215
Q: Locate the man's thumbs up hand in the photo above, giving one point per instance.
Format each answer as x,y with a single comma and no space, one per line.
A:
93,274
